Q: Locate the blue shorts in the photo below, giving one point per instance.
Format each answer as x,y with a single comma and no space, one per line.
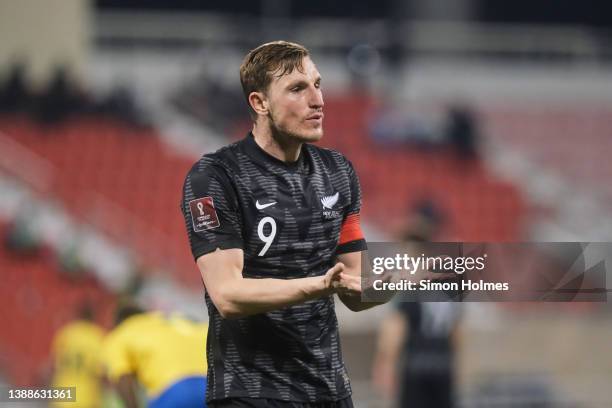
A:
186,393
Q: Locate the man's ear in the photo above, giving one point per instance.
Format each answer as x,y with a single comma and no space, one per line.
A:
259,103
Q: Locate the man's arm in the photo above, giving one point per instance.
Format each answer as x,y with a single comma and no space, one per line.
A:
391,336
126,388
235,296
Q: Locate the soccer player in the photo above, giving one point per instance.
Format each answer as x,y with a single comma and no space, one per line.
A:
273,223
418,341
162,353
76,360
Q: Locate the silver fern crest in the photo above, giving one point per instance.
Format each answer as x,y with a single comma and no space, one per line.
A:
329,201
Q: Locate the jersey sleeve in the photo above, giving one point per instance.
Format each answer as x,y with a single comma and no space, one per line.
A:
351,235
210,208
116,356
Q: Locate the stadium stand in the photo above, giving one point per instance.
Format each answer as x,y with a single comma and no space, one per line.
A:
478,206
572,140
36,298
118,179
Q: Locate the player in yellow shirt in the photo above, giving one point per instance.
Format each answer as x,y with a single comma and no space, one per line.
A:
76,352
165,354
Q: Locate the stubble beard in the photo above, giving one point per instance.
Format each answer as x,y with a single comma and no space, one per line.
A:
286,137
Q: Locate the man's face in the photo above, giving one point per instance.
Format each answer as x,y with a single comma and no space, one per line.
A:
295,103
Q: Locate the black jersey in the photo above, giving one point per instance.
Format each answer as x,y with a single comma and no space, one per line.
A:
291,220
428,348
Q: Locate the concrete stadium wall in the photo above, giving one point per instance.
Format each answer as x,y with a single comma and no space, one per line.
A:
44,34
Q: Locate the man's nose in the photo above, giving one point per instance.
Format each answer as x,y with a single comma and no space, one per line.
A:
316,98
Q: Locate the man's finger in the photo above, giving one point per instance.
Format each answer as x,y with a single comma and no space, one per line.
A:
336,270
333,275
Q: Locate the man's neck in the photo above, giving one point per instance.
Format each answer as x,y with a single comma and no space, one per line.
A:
279,146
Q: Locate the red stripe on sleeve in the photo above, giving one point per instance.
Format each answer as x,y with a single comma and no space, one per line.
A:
351,229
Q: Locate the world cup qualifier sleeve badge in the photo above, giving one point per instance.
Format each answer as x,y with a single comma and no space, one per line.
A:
203,214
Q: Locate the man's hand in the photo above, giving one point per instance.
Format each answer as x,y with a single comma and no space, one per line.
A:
339,281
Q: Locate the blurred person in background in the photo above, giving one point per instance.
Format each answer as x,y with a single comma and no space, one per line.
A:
22,236
76,353
15,95
62,98
163,354
461,131
274,226
414,359
424,224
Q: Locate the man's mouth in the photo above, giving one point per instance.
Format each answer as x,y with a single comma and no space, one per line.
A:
316,116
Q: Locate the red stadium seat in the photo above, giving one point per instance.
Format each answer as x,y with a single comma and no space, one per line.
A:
35,299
